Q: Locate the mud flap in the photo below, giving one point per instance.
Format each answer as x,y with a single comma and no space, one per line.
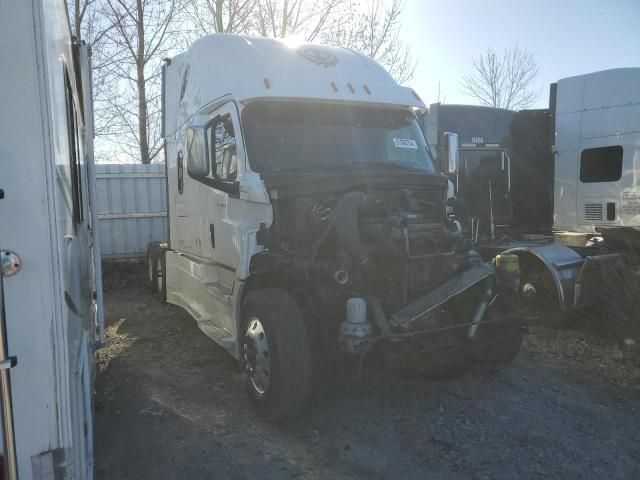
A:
612,283
589,284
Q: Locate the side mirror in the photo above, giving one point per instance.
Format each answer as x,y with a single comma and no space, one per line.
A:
452,150
197,152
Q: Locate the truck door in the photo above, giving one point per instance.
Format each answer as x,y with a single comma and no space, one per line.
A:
188,211
214,212
231,200
222,203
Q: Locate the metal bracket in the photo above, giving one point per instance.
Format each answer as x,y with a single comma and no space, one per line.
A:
8,363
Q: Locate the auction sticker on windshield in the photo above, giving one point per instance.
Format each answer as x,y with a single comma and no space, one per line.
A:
405,143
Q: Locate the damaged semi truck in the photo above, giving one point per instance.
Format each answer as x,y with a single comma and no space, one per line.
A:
308,221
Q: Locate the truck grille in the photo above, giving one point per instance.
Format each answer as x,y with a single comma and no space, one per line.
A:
593,212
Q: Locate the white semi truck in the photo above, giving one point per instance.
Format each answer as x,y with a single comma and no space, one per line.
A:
307,220
50,295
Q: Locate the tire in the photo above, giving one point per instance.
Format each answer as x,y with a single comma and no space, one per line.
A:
161,276
151,261
278,382
498,343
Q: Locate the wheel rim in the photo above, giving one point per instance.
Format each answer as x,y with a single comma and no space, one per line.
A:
256,355
159,273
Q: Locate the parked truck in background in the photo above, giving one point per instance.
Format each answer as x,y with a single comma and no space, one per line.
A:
50,294
558,187
308,220
507,150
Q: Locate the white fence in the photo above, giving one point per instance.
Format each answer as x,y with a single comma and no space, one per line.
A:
131,208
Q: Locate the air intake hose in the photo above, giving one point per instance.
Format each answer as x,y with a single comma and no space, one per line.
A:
347,215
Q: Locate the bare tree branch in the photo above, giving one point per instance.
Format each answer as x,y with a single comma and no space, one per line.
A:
376,33
506,81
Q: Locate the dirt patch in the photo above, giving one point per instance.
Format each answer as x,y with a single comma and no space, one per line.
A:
171,405
589,353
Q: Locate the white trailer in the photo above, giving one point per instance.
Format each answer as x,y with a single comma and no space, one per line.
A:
597,151
307,219
50,284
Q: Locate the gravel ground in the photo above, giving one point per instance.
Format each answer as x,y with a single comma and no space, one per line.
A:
170,404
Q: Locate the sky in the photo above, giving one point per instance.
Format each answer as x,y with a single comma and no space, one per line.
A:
566,37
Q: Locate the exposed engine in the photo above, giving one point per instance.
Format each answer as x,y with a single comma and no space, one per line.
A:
392,245
353,259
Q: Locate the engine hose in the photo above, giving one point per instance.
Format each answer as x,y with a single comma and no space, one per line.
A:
347,214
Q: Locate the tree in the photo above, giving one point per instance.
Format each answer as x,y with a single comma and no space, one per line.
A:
306,18
90,24
219,16
506,81
139,37
376,33
373,29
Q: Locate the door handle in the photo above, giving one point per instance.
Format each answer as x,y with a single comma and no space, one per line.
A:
212,235
180,173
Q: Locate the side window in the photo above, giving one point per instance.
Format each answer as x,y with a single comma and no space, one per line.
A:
196,152
602,164
222,141
74,153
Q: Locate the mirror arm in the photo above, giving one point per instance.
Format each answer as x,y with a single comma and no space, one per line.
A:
508,172
227,186
232,187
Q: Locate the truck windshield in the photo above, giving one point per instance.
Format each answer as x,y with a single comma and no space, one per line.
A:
297,136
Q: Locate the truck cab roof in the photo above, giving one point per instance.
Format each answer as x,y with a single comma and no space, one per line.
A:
250,68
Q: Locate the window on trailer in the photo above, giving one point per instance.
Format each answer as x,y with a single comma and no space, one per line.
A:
602,164
74,153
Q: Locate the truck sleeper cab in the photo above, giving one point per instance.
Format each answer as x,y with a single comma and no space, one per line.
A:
307,220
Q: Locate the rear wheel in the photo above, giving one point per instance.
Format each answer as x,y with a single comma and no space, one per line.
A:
276,354
153,250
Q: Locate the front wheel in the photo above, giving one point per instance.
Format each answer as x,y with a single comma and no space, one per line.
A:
276,354
498,341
